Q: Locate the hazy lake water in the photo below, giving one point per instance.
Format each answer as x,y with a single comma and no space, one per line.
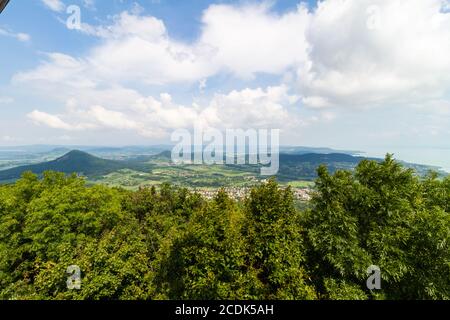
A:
439,157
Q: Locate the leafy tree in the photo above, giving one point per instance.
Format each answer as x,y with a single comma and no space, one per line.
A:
274,244
379,215
207,257
170,243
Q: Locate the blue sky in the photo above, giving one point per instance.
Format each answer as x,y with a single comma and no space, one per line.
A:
368,74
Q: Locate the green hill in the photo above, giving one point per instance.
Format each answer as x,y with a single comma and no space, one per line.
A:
146,168
73,162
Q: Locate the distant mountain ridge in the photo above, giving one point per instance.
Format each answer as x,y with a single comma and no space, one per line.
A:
293,166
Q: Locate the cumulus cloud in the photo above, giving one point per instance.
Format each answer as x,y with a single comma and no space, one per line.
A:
344,53
250,39
111,119
138,48
54,5
256,108
239,40
49,120
157,117
89,4
94,117
22,37
366,53
59,69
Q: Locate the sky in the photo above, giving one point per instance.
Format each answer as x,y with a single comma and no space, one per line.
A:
370,75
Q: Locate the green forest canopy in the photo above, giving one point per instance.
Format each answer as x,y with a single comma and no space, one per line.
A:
173,244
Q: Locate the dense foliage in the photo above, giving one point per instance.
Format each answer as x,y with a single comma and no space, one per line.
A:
173,244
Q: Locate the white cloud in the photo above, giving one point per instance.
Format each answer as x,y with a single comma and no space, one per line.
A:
111,119
239,40
59,69
22,37
89,4
345,53
251,108
249,39
138,48
54,5
151,117
49,120
369,53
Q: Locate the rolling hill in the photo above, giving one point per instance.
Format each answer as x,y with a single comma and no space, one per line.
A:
143,169
74,161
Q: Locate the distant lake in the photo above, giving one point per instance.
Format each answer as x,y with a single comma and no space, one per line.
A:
432,156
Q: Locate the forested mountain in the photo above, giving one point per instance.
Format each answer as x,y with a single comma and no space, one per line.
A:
72,162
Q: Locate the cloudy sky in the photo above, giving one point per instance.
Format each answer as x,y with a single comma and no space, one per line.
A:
371,75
